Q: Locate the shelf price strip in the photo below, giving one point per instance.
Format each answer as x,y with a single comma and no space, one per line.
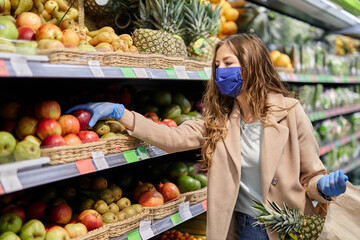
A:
337,143
131,156
202,75
142,152
181,72
85,166
145,229
171,73
99,160
128,72
134,235
184,211
3,70
10,180
95,68
20,66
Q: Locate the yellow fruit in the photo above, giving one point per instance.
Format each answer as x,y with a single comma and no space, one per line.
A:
222,19
127,38
274,55
225,5
215,1
229,28
231,14
289,65
283,60
105,47
222,36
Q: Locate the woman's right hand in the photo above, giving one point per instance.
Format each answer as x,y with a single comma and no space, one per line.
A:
100,110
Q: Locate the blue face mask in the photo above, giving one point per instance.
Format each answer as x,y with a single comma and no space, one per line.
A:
229,81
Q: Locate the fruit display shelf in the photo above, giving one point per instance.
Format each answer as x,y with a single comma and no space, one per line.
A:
325,148
149,228
324,114
353,164
39,174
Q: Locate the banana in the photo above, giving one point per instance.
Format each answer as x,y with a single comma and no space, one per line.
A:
63,6
7,7
24,6
2,5
14,4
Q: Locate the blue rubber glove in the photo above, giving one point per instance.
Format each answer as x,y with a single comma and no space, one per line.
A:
333,184
100,110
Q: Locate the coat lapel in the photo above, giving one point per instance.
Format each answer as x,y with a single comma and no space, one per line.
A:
273,142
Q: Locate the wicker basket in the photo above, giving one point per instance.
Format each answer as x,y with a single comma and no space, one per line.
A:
116,59
162,62
96,234
66,154
119,228
193,65
196,196
166,209
122,143
71,56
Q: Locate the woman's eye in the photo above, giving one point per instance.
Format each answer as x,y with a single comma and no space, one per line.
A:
228,63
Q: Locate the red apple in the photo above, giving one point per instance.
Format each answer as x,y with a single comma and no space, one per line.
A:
16,210
84,118
60,214
26,126
91,219
152,115
49,31
72,139
26,33
88,136
76,229
56,233
169,122
47,127
48,109
69,124
53,140
28,19
37,210
70,37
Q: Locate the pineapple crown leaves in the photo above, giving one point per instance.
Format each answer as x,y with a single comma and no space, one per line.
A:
143,20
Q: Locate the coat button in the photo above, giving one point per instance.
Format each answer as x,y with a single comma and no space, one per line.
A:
274,181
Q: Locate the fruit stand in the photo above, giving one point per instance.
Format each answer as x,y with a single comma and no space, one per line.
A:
59,177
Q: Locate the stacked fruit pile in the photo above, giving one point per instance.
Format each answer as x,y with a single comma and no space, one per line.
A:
281,59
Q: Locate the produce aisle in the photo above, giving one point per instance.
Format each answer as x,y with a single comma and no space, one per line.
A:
61,178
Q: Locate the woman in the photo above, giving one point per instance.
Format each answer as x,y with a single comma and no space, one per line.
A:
257,142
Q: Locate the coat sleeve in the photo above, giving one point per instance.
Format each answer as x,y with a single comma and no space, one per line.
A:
311,167
189,135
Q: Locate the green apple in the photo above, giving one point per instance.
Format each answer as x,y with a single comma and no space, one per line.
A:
9,236
7,144
8,17
8,29
25,150
7,159
10,222
86,47
33,230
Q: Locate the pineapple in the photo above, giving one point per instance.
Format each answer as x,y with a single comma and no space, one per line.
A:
289,223
201,22
166,17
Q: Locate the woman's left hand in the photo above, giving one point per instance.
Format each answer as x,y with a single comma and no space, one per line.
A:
333,184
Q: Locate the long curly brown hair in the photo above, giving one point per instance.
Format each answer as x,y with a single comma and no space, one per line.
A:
260,78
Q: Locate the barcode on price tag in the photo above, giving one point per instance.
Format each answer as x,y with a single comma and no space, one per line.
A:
10,181
140,72
21,66
145,229
208,71
99,160
181,72
184,210
96,69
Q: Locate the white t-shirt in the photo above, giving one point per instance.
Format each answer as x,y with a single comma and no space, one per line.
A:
250,183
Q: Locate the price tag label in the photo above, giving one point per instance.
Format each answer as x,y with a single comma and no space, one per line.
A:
131,156
10,181
171,73
202,75
85,166
140,72
184,211
99,160
204,204
134,235
181,72
96,69
176,219
142,152
128,72
3,70
208,72
145,229
1,189
21,66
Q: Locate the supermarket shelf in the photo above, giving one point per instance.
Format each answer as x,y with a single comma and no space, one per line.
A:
324,114
354,163
161,225
311,78
27,178
325,148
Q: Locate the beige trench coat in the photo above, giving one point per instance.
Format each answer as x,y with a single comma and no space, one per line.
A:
290,164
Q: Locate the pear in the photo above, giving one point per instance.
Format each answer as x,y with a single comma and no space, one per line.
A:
7,144
115,126
101,30
86,204
99,183
101,207
24,6
86,47
123,203
116,191
109,217
121,215
109,135
107,195
130,211
113,207
101,128
138,207
26,150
